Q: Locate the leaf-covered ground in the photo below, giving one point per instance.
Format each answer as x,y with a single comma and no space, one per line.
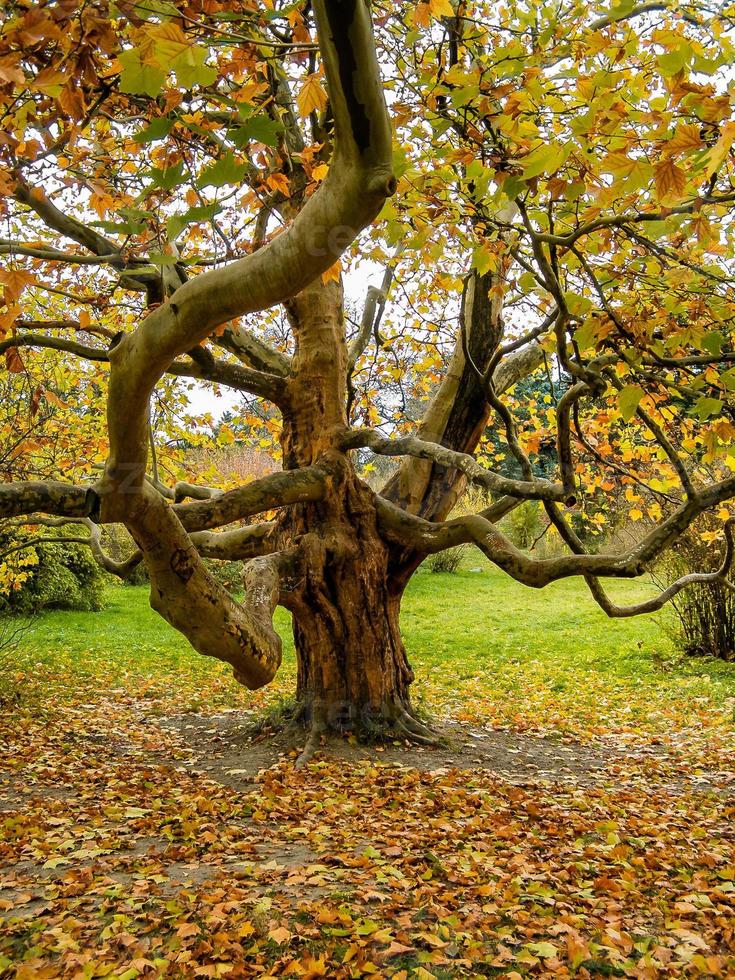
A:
137,839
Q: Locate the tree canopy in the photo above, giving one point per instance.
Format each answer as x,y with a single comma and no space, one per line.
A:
548,189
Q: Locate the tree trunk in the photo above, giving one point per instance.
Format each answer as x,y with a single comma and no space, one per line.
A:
352,667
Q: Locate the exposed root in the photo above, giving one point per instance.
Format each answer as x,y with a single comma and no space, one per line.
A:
317,729
415,726
405,732
392,721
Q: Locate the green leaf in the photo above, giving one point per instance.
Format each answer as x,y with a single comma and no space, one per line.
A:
705,408
261,129
586,335
203,212
225,171
160,258
544,950
191,70
157,130
167,178
672,62
629,399
137,78
712,342
576,304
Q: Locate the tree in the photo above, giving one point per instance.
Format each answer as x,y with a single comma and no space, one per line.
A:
565,201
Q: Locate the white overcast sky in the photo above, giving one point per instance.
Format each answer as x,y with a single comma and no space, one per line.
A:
201,398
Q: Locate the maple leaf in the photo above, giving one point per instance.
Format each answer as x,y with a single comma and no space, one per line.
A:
311,96
670,181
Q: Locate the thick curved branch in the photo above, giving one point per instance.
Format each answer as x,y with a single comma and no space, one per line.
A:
359,180
251,349
421,449
428,538
237,545
52,497
270,492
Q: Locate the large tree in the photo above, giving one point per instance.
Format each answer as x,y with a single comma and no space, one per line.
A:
564,202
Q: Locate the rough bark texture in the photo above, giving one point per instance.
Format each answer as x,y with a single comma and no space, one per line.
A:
352,666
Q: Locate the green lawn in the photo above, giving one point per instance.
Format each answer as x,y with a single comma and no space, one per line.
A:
482,647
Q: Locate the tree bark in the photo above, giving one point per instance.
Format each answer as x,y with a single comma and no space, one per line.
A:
352,667
353,672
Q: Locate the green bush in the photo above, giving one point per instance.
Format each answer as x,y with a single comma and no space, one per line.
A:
119,545
524,525
446,562
66,577
227,573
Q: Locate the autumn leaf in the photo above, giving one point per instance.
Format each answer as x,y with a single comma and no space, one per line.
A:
333,273
670,181
13,361
311,96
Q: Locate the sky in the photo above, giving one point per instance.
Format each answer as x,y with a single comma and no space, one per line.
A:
356,282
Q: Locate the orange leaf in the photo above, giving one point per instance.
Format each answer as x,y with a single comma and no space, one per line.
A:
279,182
311,97
670,181
13,361
333,273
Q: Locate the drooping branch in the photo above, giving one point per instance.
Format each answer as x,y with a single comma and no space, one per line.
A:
720,575
430,537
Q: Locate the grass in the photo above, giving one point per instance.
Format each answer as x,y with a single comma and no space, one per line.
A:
482,647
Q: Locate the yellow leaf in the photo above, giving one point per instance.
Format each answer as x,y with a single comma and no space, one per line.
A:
686,137
670,181
311,97
441,8
333,273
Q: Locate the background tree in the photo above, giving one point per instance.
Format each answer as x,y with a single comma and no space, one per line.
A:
564,206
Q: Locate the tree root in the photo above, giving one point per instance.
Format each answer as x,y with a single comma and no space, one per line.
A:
394,723
416,728
317,728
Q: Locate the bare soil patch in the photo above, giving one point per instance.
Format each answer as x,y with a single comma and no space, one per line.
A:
225,748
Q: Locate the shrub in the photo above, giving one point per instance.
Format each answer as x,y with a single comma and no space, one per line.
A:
227,573
524,525
703,614
12,634
65,576
446,561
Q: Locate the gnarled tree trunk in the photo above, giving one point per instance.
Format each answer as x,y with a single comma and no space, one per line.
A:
352,666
